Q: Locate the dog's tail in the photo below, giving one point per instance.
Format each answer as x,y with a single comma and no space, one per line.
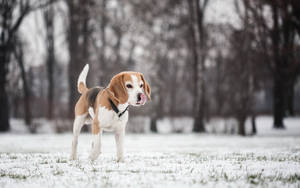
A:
81,83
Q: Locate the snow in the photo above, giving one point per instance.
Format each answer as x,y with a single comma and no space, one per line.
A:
163,160
269,159
264,126
141,124
17,126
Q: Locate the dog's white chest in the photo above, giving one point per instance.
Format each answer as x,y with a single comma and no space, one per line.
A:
109,120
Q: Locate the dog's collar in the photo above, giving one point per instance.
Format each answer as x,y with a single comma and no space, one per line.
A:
115,108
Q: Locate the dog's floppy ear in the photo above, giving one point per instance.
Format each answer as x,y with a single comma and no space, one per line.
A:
147,88
113,97
117,87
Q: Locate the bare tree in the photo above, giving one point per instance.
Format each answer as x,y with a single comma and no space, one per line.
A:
241,92
10,25
197,13
78,42
281,58
194,49
103,40
50,61
19,55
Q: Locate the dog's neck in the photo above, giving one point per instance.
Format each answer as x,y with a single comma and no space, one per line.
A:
122,107
116,109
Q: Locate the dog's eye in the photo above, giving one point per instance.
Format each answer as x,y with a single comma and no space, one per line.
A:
128,85
141,85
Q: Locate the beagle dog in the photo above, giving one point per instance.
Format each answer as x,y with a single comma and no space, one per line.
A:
107,108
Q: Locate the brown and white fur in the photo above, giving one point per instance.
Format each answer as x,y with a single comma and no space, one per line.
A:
125,88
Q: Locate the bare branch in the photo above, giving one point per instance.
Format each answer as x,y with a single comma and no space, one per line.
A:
25,9
205,4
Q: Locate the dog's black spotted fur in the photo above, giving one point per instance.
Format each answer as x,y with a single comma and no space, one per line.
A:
92,94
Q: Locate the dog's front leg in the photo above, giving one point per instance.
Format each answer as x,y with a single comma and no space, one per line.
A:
119,136
96,143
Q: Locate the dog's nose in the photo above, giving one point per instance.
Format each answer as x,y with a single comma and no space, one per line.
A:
139,98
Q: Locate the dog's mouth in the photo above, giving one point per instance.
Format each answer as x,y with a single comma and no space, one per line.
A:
142,99
139,103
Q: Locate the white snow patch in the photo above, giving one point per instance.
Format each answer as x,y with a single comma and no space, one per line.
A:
186,160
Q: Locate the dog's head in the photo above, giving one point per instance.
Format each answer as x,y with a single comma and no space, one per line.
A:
130,87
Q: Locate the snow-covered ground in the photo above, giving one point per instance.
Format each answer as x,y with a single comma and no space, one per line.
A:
264,126
166,160
269,159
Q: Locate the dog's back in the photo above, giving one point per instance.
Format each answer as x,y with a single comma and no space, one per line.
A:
91,95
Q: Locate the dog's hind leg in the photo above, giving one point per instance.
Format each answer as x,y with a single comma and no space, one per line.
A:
77,125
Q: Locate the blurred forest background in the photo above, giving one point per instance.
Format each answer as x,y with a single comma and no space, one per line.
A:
231,59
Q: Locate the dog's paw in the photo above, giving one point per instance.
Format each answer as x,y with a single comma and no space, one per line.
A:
120,160
92,159
94,156
73,157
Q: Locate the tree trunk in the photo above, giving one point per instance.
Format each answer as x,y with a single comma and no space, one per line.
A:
4,115
278,85
219,80
198,124
290,99
85,51
241,126
103,66
278,102
27,108
199,120
73,35
193,42
153,125
173,94
19,54
8,31
49,23
253,123
288,58
76,18
5,51
15,106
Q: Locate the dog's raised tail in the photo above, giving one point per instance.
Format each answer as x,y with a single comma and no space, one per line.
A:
81,83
